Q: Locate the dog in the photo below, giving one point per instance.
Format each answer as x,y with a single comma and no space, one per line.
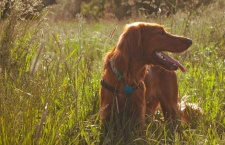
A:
123,85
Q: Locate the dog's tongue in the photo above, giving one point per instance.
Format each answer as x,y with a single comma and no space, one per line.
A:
174,62
182,68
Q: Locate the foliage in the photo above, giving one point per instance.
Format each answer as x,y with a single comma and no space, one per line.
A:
12,28
25,8
93,9
125,8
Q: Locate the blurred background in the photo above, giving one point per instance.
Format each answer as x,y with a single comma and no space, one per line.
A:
96,9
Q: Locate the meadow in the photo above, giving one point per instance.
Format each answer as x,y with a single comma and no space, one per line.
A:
51,72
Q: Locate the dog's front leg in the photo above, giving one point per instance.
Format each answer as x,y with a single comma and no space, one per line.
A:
139,105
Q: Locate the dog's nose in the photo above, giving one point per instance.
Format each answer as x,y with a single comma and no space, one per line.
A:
189,41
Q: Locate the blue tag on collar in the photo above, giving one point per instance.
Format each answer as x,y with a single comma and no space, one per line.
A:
128,90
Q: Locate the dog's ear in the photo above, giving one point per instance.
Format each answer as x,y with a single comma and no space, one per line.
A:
129,43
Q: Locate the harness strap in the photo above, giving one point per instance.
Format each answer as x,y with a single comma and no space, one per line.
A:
113,90
108,87
127,89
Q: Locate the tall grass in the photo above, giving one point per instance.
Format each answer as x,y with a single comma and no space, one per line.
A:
50,95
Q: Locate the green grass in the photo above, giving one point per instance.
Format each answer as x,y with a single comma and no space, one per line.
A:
58,103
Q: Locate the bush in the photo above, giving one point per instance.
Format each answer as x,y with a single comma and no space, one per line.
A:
93,9
127,8
27,9
17,36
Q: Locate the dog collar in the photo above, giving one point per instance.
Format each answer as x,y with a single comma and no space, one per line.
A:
119,75
110,88
127,89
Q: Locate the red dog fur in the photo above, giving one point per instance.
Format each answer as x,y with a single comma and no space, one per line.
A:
139,45
162,91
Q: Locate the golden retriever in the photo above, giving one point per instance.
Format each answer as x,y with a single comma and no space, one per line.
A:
125,67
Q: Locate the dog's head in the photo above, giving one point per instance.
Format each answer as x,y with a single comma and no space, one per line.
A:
145,42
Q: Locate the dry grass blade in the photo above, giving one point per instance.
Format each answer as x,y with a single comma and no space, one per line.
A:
42,122
36,58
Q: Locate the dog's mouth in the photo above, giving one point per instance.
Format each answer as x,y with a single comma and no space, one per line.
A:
168,62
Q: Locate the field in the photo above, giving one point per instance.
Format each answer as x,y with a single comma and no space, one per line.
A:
51,72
